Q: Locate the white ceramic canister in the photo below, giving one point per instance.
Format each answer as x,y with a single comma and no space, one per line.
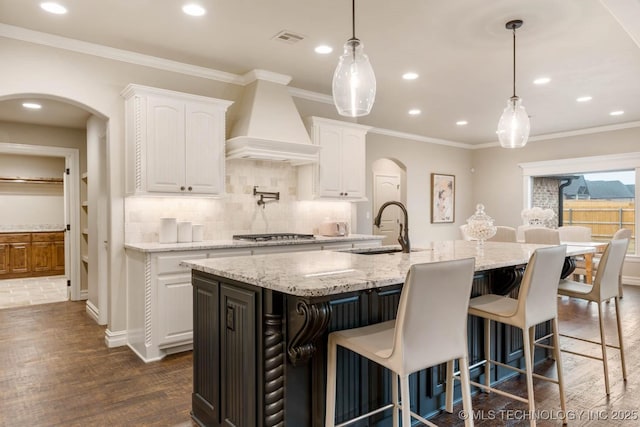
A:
168,230
197,232
185,232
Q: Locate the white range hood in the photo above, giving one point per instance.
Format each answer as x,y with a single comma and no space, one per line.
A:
269,126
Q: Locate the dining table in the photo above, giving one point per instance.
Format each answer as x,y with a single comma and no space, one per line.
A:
588,257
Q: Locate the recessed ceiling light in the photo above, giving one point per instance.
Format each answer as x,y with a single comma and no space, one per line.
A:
584,99
414,112
323,49
462,122
53,7
31,105
541,81
410,76
616,113
193,9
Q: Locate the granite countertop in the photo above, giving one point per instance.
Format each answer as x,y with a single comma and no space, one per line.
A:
31,228
313,274
226,244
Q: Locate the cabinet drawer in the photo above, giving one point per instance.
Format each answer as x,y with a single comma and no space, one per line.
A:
47,237
15,238
171,263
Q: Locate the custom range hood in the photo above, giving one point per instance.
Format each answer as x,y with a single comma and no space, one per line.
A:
268,125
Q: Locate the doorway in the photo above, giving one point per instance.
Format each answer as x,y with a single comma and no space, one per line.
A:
389,184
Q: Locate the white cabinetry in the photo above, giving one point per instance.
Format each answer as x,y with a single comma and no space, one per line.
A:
174,141
340,174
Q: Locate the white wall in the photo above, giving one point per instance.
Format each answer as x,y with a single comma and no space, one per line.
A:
30,205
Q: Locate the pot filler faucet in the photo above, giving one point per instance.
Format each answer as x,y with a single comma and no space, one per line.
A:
402,239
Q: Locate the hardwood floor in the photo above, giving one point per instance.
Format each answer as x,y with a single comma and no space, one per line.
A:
56,371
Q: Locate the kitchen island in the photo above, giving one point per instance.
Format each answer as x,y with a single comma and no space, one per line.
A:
261,322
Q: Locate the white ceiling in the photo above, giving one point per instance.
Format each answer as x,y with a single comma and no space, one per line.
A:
460,48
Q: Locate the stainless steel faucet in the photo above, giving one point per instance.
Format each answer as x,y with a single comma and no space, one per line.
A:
402,239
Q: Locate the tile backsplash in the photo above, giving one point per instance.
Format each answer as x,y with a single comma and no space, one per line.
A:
237,212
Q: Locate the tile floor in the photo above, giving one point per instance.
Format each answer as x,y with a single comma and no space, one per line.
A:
30,291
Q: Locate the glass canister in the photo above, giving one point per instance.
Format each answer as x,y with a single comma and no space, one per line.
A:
480,225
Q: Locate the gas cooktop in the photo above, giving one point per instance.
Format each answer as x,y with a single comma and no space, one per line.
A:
273,237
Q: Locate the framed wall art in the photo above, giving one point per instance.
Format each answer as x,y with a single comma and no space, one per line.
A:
443,191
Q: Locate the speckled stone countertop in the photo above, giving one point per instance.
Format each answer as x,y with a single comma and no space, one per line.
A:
31,228
321,273
226,244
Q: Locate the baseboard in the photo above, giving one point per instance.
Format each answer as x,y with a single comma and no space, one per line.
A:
115,339
93,312
84,294
145,359
631,280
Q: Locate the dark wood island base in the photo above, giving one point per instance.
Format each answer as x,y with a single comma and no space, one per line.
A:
259,355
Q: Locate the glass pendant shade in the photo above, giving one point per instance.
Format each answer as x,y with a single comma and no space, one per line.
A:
514,126
354,83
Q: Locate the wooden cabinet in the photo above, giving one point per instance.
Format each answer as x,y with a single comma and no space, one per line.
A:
174,141
340,174
31,254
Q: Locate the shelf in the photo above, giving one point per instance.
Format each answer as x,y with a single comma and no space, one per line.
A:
17,179
85,259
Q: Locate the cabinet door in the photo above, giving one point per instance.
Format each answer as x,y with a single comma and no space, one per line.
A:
238,353
330,173
353,163
175,323
204,149
57,257
165,145
20,257
4,258
40,256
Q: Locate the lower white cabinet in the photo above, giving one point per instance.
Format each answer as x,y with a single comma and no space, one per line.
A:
160,295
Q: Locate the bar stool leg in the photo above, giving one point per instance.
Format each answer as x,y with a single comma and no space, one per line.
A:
532,340
406,401
487,353
449,387
603,344
619,322
463,363
556,351
394,397
330,412
529,370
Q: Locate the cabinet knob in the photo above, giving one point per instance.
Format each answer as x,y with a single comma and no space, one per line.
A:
342,194
346,194
190,188
182,188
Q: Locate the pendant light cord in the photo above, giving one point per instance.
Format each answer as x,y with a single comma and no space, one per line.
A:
514,62
353,18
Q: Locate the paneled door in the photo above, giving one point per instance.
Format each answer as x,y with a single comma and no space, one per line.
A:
387,188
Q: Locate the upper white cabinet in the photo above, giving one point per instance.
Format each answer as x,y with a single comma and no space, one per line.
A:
174,141
340,174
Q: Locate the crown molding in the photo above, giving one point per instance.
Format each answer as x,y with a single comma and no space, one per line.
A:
310,95
568,134
46,39
267,75
420,138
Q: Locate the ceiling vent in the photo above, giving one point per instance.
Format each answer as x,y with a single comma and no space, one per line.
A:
288,37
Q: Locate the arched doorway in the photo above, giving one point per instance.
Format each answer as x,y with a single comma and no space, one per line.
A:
389,183
85,184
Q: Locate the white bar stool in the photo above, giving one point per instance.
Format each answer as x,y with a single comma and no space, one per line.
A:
430,329
536,303
605,287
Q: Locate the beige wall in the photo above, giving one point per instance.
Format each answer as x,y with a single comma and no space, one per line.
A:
421,160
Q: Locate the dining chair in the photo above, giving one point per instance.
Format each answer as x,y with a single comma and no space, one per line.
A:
605,287
574,233
542,235
430,329
504,234
623,233
463,232
536,303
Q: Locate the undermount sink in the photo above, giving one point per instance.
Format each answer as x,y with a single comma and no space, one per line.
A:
378,251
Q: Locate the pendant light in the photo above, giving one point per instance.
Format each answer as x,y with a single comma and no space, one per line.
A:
354,84
514,126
